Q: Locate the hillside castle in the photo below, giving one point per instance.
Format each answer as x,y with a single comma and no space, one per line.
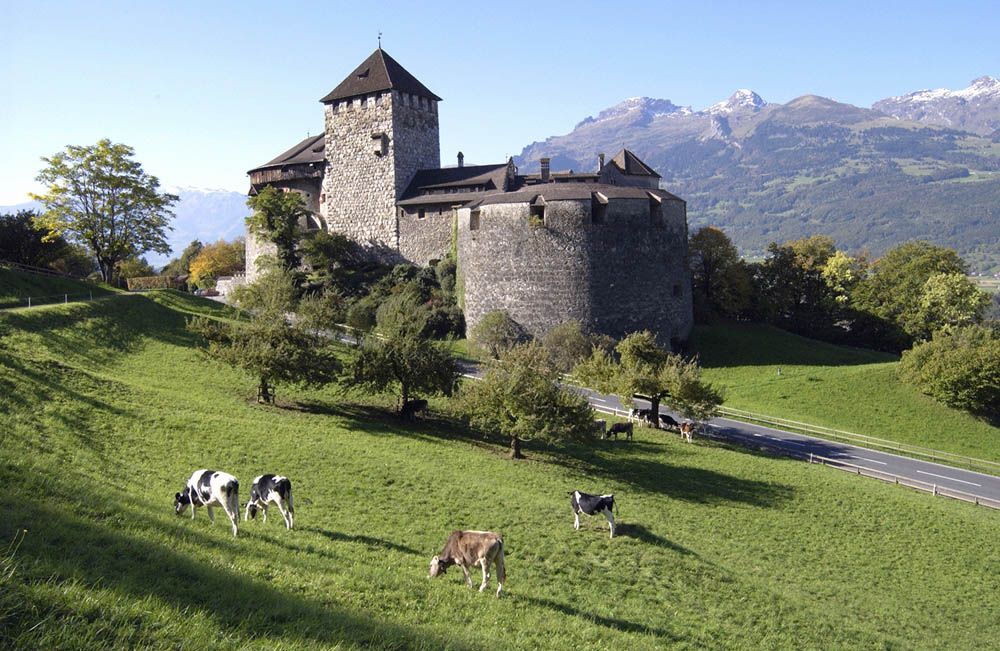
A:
606,247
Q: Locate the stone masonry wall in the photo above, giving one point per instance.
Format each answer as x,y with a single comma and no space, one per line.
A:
374,145
422,240
620,276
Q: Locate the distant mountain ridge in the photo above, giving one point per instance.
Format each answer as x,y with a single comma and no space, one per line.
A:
772,172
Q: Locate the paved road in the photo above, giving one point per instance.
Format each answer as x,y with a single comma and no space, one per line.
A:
926,472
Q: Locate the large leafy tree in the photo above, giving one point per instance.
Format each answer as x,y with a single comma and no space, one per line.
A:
792,289
24,242
721,281
398,355
99,196
497,333
180,266
270,347
520,397
219,259
276,218
645,368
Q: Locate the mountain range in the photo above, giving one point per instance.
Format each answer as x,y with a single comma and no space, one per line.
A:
923,165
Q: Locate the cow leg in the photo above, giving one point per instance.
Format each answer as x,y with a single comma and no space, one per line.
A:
484,563
576,521
468,579
264,509
611,521
284,513
291,512
246,512
211,515
234,516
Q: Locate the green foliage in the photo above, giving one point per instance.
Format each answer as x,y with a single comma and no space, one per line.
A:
320,311
959,367
895,288
100,197
24,242
398,356
180,266
275,218
645,368
497,333
268,347
950,301
566,346
134,268
520,397
338,263
842,273
721,281
215,260
143,283
791,288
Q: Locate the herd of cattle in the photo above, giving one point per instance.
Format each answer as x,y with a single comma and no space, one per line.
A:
643,417
211,488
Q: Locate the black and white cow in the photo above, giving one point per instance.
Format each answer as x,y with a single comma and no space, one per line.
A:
210,488
592,505
267,489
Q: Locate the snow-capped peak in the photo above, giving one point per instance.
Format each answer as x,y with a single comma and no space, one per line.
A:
645,108
743,100
981,87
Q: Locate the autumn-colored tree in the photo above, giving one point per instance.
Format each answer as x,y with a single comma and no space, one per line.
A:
219,259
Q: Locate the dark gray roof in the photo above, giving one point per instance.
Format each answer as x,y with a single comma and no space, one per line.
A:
575,192
447,199
630,164
379,72
309,150
455,177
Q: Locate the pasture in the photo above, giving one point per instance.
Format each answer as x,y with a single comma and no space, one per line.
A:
17,286
106,408
845,388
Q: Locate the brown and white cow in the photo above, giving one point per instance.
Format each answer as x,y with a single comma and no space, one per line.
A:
687,430
468,548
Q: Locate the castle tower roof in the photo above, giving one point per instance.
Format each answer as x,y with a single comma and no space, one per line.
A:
630,164
379,72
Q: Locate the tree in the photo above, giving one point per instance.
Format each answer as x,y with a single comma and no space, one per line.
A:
180,266
566,346
399,356
895,287
268,346
792,290
520,397
951,300
219,259
134,268
100,197
721,281
497,333
645,368
24,242
959,367
275,218
842,273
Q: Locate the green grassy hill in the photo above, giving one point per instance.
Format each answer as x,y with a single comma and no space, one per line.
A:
845,388
16,286
106,408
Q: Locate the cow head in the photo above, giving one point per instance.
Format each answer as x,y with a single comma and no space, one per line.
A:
181,501
438,566
253,511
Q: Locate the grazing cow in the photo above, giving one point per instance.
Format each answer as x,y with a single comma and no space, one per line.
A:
620,428
412,407
601,427
687,431
592,505
642,416
468,548
209,488
666,422
267,489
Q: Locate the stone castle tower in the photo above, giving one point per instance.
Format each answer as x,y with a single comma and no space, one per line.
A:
381,127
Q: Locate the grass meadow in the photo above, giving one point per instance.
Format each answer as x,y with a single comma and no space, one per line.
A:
107,407
851,389
16,286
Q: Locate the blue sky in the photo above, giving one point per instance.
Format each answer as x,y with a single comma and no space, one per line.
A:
206,90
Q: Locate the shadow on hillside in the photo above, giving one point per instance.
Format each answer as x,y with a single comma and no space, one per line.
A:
642,534
369,541
622,625
80,548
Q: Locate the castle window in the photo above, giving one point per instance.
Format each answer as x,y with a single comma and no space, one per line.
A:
598,208
537,214
655,210
474,220
380,144
421,214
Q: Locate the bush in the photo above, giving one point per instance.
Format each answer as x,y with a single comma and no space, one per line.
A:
143,283
567,346
960,368
497,333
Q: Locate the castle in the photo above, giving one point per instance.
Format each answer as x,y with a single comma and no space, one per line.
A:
607,247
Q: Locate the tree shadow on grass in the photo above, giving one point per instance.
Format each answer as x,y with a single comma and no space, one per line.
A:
70,546
615,623
641,533
369,541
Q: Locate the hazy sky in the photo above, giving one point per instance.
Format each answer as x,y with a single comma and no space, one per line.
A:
206,90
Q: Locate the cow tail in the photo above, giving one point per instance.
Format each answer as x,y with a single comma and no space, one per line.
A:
501,567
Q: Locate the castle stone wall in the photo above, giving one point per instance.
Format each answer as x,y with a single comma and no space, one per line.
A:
374,145
429,238
622,275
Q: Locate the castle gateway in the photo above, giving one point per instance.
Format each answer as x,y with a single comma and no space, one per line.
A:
607,247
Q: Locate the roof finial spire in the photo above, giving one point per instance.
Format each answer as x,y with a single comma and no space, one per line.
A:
380,39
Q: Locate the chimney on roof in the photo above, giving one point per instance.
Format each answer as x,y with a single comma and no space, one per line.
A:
461,159
545,169
600,162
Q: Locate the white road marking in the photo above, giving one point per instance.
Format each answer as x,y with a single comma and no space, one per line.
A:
949,478
598,399
881,463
